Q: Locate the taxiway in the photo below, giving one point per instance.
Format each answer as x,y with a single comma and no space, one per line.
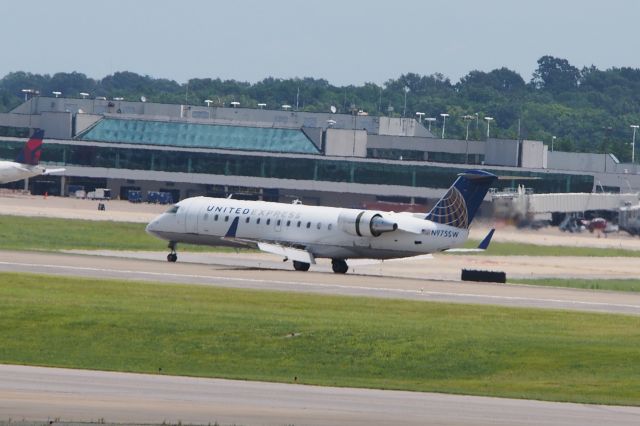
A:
240,270
47,394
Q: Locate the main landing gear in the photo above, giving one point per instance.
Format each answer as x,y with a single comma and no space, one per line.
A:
173,256
339,266
300,266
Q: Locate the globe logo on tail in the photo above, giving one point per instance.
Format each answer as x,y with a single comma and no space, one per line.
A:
451,210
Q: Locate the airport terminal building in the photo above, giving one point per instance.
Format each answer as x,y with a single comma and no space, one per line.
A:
320,158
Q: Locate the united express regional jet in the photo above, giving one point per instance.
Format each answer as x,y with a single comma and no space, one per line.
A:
26,164
304,233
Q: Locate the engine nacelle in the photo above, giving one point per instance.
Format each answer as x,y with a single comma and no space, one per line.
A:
365,223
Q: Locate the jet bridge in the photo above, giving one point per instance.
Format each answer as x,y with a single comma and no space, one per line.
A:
522,203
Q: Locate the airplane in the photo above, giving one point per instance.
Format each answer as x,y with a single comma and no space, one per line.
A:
304,233
26,164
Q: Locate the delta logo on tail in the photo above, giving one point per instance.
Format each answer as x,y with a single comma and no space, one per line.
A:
31,151
303,233
27,162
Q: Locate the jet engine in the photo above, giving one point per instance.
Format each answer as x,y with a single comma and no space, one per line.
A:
365,223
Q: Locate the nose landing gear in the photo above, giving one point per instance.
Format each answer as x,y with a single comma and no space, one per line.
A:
173,256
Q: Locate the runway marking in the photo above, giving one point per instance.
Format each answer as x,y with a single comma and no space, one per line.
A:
338,286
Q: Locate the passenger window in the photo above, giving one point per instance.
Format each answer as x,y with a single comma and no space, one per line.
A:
226,218
308,225
319,225
258,221
268,221
288,222
329,227
215,217
206,216
278,222
246,220
299,223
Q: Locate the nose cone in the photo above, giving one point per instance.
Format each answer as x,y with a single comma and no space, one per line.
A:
153,227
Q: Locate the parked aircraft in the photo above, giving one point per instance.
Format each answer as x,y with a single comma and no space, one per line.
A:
304,233
26,164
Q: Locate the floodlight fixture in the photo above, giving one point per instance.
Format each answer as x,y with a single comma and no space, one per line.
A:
444,116
489,119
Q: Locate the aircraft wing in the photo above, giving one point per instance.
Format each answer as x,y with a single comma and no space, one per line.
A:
288,252
50,171
484,244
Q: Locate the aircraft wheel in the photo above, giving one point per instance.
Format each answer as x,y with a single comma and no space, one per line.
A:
300,266
172,257
339,266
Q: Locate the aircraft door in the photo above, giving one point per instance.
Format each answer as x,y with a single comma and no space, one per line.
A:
187,218
191,220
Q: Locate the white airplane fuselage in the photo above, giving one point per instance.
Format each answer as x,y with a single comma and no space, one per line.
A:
327,232
11,171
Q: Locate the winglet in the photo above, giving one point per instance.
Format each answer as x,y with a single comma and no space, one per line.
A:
484,244
231,233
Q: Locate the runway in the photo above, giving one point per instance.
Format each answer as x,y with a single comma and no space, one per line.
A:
262,272
41,394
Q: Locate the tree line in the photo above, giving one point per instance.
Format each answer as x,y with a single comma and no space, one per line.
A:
587,110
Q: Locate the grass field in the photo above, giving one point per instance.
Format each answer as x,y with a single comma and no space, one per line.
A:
341,341
522,249
29,233
595,284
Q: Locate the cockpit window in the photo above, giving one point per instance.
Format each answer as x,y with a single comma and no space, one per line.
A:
173,210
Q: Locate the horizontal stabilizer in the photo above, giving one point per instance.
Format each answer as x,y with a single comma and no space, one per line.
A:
484,245
288,252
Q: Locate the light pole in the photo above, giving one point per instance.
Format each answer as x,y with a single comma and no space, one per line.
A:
56,93
468,119
444,116
430,120
208,102
420,115
262,105
404,111
489,119
553,139
633,143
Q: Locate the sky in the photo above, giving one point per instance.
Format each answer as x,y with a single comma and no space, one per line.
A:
345,42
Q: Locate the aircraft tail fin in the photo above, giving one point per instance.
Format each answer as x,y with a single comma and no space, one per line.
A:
31,151
459,205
